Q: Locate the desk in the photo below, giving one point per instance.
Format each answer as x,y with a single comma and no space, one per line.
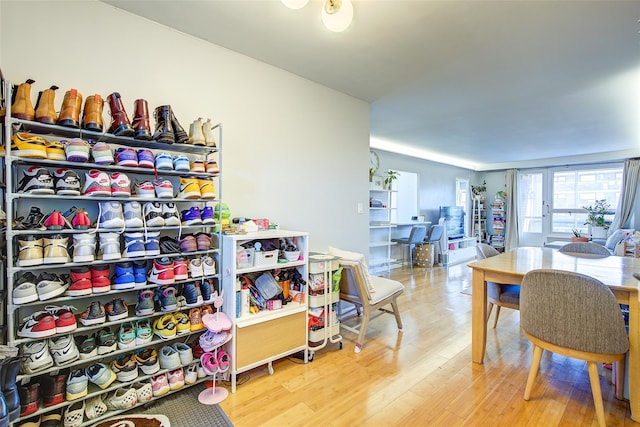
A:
510,267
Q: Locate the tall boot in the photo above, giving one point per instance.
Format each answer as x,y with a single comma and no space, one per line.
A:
70,111
21,106
164,128
120,124
4,409
141,127
180,136
10,368
92,114
45,108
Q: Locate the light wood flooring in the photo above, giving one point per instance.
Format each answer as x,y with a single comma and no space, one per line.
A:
424,375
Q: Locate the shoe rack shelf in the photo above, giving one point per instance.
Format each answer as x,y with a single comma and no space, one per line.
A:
15,206
268,335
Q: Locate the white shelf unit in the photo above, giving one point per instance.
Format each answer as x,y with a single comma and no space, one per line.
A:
498,221
479,220
323,296
18,203
268,335
380,230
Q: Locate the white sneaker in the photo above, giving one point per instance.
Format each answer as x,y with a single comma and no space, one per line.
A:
209,137
196,136
208,266
63,349
111,215
84,247
122,399
153,214
120,185
170,214
133,215
191,374
195,267
35,357
96,183
110,246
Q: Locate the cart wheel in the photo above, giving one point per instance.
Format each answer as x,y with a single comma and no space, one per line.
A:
340,345
270,368
310,357
357,349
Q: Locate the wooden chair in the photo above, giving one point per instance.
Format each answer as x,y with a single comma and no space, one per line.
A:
369,304
576,316
416,236
500,295
585,248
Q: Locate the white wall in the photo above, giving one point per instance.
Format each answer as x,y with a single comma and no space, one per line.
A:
293,151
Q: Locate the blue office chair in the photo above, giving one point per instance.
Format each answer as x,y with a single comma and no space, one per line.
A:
417,235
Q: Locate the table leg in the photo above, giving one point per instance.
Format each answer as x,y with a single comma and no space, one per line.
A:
478,316
634,356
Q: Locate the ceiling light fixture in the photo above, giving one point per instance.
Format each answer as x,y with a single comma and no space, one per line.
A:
337,15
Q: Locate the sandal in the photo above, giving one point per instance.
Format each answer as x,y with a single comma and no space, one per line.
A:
209,363
223,361
74,414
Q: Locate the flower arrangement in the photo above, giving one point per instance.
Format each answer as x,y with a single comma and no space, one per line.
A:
502,194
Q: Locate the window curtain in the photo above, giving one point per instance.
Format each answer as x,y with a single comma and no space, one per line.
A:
511,232
627,200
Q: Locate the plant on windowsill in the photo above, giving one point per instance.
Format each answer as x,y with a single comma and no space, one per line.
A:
391,176
596,213
578,237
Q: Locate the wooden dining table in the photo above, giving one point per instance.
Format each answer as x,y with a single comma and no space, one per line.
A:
510,267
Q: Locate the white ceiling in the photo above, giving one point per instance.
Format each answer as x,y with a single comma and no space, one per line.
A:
481,84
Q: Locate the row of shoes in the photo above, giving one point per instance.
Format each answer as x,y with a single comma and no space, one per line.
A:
54,249
27,145
168,129
39,180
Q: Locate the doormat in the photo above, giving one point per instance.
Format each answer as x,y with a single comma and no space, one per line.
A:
135,420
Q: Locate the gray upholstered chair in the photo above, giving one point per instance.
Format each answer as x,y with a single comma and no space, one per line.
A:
416,237
585,248
500,295
576,316
369,299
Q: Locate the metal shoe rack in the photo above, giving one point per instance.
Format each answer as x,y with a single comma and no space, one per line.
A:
18,204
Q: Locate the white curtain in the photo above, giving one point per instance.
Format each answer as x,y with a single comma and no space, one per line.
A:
627,200
511,232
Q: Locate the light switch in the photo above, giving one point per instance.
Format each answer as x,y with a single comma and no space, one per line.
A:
360,208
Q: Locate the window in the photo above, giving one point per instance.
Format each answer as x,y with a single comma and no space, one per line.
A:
574,188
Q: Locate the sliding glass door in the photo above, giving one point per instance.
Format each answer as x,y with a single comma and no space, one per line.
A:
533,207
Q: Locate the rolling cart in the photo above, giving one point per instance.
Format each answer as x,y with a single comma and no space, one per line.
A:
324,326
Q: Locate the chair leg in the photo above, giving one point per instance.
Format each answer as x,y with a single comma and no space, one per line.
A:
597,393
495,322
620,379
396,313
489,311
533,372
363,331
410,259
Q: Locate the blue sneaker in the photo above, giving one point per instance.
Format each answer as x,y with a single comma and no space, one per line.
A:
168,300
133,245
126,157
146,159
123,278
140,273
190,294
164,161
207,215
152,244
145,305
191,216
181,163
205,289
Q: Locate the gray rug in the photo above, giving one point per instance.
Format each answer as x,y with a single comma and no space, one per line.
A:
183,410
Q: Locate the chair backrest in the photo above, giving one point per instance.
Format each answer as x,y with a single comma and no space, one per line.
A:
573,311
353,286
585,248
485,251
417,235
435,233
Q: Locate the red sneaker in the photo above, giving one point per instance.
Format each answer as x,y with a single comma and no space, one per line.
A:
100,278
55,221
180,268
64,318
81,220
80,282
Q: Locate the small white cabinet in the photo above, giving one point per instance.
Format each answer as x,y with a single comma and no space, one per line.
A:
261,337
380,230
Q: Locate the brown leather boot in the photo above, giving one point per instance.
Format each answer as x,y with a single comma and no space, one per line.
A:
120,124
45,108
92,114
164,129
180,135
141,127
70,111
22,107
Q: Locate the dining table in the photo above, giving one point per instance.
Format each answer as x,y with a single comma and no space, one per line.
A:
510,267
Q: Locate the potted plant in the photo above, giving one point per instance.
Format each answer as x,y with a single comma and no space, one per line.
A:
598,226
479,190
578,236
391,176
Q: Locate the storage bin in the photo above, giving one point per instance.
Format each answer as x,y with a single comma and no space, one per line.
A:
244,257
317,263
292,255
265,258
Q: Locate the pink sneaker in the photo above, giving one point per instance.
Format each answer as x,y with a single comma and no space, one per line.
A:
176,379
160,385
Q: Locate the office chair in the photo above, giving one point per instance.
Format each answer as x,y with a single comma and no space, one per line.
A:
576,316
416,236
500,295
585,248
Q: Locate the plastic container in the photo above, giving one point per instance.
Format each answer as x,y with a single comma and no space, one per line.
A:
244,301
245,257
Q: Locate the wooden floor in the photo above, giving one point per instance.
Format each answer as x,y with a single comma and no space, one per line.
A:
424,374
